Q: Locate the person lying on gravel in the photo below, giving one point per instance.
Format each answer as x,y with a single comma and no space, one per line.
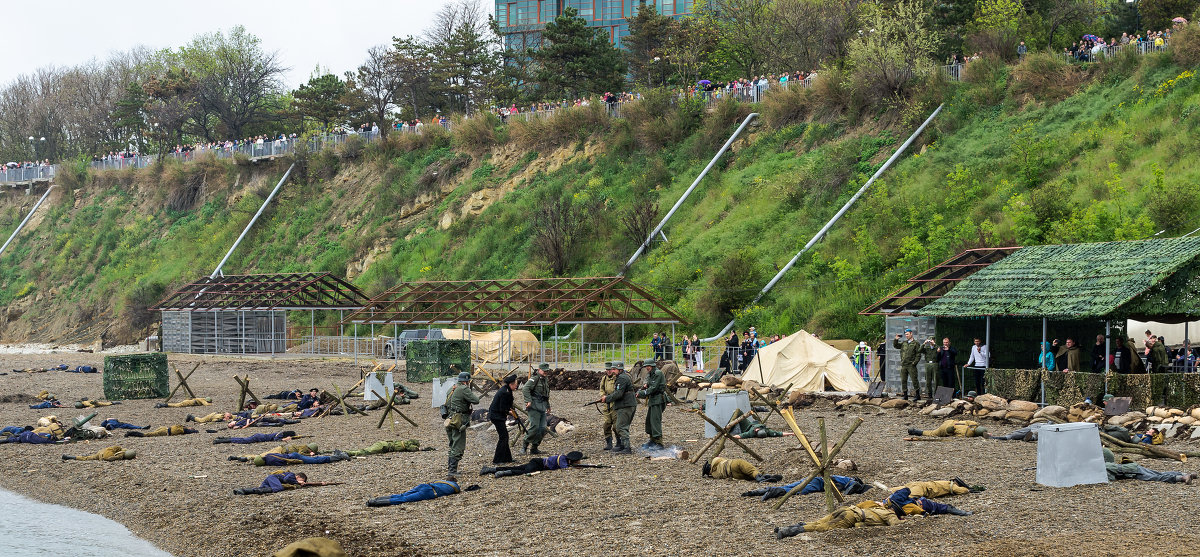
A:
552,462
210,417
735,468
110,454
309,449
288,459
1129,470
59,367
29,436
752,428
113,423
872,513
953,428
164,431
88,403
46,395
185,403
845,484
46,404
280,480
422,492
295,394
397,446
257,438
939,488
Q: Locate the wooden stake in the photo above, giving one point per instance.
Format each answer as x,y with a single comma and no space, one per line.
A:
737,417
829,503
739,443
183,382
828,457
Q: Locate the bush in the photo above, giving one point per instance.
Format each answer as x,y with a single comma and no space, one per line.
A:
731,285
1046,77
831,92
1185,46
786,108
476,134
351,149
717,125
564,127
988,78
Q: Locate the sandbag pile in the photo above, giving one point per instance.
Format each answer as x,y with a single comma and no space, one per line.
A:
1172,422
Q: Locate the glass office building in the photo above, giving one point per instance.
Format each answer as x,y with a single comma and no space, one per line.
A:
521,21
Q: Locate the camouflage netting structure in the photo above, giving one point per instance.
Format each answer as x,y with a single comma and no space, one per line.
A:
136,376
1179,390
426,359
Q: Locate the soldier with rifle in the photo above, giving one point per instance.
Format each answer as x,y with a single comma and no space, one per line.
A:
624,404
654,391
537,403
607,384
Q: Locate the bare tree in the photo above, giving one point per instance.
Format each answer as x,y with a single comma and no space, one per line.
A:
238,80
558,233
638,220
376,82
808,32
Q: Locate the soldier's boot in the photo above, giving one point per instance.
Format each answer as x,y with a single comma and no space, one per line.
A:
756,492
767,478
951,509
608,446
905,395
239,459
452,468
622,447
788,531
68,457
504,473
380,502
533,449
914,431
658,443
525,448
220,440
487,470
190,418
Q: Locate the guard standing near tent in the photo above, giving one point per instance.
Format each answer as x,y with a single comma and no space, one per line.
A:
624,404
537,403
656,400
458,416
607,384
910,354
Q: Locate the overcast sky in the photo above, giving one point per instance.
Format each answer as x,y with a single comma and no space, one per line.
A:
334,34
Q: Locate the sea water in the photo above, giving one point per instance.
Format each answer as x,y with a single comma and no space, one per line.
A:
35,529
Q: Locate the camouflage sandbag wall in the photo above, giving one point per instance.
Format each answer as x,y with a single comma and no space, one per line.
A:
426,359
136,376
1179,390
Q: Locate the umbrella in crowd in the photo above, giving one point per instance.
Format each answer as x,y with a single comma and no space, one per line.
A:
1179,20
1091,38
704,82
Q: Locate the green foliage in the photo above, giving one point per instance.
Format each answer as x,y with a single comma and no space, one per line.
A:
322,100
898,45
732,284
1157,14
576,60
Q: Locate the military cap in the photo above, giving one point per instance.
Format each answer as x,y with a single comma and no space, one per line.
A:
575,456
544,367
971,394
510,378
608,365
463,377
618,365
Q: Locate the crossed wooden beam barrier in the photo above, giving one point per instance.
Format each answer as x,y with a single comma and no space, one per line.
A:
823,468
391,406
244,383
183,382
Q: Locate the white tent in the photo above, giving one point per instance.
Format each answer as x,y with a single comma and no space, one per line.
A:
806,363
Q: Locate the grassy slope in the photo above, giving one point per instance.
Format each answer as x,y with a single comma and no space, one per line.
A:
1112,161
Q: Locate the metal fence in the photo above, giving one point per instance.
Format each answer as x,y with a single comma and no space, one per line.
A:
26,173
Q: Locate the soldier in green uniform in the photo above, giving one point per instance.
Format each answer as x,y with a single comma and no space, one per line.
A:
458,416
537,403
1158,356
607,384
910,354
624,404
397,446
654,391
929,351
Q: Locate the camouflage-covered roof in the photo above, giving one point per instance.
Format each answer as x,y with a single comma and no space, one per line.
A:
1145,279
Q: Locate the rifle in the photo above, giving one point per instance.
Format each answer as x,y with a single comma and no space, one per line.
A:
520,424
594,402
592,466
318,484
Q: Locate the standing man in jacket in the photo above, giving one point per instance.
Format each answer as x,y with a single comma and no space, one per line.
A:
458,417
498,411
654,391
910,354
537,403
624,404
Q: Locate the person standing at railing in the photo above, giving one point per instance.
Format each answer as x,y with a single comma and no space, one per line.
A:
1021,50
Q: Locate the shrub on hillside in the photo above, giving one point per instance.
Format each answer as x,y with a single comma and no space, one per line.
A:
561,128
351,149
831,93
1046,77
1185,46
788,107
476,134
717,125
988,78
1173,207
658,118
731,285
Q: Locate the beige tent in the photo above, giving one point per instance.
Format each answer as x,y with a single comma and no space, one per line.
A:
519,346
806,363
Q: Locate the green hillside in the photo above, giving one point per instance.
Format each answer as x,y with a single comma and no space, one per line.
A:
1036,153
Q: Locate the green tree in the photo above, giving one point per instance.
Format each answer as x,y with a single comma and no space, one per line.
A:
745,28
897,45
1120,17
321,99
238,82
950,19
691,50
129,116
576,60
1157,14
645,47
172,101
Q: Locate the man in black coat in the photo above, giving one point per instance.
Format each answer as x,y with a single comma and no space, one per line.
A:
502,404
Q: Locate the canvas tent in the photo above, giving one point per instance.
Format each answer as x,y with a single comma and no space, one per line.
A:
806,363
515,345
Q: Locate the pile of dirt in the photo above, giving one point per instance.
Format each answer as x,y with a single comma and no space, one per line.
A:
20,398
573,379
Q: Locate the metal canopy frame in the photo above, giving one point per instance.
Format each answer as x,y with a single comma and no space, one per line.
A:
522,302
281,291
930,285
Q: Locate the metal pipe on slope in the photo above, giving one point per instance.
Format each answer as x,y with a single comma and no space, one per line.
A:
686,193
253,219
821,233
25,220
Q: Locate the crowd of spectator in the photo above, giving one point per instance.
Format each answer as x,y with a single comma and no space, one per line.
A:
1090,48
28,164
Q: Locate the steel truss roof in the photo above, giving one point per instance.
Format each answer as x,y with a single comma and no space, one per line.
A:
932,284
544,301
287,291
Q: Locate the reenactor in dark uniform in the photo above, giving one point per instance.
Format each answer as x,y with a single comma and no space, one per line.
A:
458,416
910,354
624,404
607,384
537,403
654,391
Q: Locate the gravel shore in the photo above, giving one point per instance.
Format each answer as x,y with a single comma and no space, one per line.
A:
177,492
